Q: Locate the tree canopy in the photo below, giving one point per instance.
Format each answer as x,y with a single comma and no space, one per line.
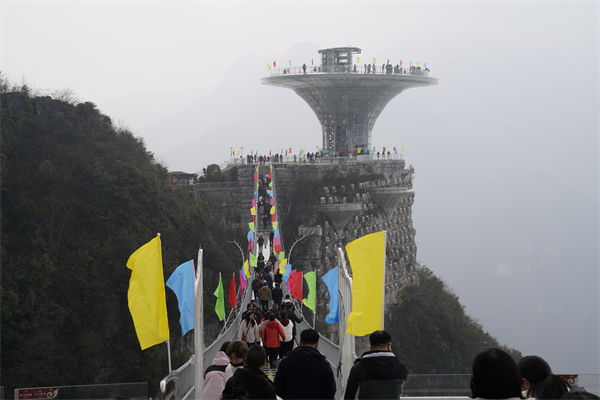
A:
79,196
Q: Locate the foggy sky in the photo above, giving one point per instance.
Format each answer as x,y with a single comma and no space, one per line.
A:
505,146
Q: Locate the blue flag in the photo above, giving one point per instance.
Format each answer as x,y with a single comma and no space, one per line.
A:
256,194
271,193
251,153
331,280
182,283
276,232
288,269
250,233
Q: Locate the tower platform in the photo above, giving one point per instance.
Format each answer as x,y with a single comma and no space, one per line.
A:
346,98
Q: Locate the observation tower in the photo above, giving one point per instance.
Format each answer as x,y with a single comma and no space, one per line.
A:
347,98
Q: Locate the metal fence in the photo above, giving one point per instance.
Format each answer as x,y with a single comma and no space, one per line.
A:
327,159
360,70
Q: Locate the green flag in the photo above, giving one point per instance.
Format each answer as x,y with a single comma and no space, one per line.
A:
253,262
311,279
220,306
281,256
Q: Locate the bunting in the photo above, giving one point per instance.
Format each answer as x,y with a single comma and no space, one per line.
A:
232,294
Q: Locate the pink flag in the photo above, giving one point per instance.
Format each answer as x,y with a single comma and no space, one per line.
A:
250,245
400,62
290,150
272,201
253,202
286,152
276,241
242,281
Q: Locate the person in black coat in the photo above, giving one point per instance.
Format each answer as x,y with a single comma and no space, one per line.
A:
250,382
305,373
378,373
289,309
277,295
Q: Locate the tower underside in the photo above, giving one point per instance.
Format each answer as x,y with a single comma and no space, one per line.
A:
347,105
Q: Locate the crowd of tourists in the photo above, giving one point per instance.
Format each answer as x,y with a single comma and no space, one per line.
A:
237,371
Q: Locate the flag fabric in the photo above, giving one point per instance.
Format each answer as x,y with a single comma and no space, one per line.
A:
295,281
246,269
425,65
276,241
288,270
253,260
272,201
274,225
271,193
274,63
312,61
251,225
331,280
275,233
373,149
388,62
290,150
254,200
250,246
290,62
400,62
181,282
374,61
268,66
366,256
242,280
253,211
273,218
146,294
281,256
358,60
311,280
232,294
418,64
402,149
282,265
287,284
220,305
277,248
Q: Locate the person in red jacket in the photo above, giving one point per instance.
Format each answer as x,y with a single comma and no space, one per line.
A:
270,337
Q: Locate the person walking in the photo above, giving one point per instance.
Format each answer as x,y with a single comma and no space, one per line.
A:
261,241
214,376
305,373
264,294
277,295
271,238
248,331
288,343
250,382
236,351
270,336
378,373
289,309
304,68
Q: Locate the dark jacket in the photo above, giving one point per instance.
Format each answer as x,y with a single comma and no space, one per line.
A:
277,295
376,375
249,383
305,374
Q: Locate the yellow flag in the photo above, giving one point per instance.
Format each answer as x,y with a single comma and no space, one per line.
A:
238,152
272,210
366,256
282,265
253,211
358,60
146,294
402,149
246,269
418,64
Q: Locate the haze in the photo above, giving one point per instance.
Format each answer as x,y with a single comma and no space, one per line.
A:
505,146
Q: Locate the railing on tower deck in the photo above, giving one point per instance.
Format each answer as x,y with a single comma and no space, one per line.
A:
360,70
325,159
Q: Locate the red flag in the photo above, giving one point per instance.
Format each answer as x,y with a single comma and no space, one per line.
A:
295,281
273,218
254,219
269,152
290,150
270,175
288,70
274,64
388,63
232,295
278,248
255,177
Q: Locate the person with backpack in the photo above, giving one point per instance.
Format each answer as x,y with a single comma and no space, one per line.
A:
214,376
250,382
271,338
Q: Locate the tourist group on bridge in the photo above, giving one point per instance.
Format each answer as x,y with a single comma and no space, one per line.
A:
238,368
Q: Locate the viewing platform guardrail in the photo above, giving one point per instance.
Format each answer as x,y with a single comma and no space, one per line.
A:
329,159
360,70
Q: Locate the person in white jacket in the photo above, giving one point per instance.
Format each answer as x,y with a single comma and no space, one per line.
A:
288,328
248,331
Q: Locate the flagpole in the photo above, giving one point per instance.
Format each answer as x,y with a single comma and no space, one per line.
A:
199,325
169,355
383,291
